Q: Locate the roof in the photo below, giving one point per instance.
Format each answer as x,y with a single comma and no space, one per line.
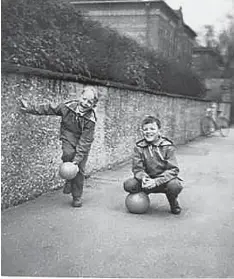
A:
190,30
211,51
204,49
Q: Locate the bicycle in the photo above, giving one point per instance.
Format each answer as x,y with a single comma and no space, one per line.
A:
209,124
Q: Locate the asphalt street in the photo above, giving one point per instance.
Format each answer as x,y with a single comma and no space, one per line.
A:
48,237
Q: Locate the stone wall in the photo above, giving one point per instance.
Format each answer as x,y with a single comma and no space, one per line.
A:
31,150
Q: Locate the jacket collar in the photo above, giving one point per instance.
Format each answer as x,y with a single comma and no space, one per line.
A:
90,114
161,141
72,105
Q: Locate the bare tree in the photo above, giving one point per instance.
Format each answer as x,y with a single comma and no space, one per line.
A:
209,36
226,43
223,42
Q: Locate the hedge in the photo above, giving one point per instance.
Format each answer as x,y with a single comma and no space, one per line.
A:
53,35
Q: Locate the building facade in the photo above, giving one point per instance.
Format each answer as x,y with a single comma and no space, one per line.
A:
207,62
152,24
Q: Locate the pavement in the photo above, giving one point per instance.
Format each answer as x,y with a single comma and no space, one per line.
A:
48,237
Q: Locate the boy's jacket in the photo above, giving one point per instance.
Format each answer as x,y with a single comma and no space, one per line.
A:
155,160
76,128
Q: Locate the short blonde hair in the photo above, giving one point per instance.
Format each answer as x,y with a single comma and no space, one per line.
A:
95,93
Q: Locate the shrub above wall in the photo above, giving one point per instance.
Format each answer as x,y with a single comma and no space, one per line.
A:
53,35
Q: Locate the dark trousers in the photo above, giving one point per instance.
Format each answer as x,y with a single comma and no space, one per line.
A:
77,183
171,188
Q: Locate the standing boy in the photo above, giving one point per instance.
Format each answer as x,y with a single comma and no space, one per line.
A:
154,165
76,133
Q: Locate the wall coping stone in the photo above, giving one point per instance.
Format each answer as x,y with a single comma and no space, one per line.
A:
19,69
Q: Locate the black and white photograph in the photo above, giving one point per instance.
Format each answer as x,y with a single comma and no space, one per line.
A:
117,138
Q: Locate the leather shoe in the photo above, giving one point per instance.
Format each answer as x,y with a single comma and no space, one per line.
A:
76,202
175,210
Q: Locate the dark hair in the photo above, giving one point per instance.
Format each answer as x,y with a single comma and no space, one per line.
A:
151,119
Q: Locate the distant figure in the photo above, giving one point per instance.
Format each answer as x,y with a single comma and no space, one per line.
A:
212,111
76,133
155,166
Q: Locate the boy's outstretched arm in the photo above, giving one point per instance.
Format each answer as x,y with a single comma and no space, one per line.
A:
44,109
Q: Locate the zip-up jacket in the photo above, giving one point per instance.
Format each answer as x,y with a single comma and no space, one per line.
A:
76,128
155,160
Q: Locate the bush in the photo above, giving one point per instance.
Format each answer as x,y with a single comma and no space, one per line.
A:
53,35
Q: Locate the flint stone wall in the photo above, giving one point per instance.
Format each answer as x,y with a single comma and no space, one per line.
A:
31,149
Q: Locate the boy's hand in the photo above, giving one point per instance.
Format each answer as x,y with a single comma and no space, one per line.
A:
144,180
148,183
76,164
24,105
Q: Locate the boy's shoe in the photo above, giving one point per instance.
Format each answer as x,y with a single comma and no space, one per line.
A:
67,187
175,208
76,202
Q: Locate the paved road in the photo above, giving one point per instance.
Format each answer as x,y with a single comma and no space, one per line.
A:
47,237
